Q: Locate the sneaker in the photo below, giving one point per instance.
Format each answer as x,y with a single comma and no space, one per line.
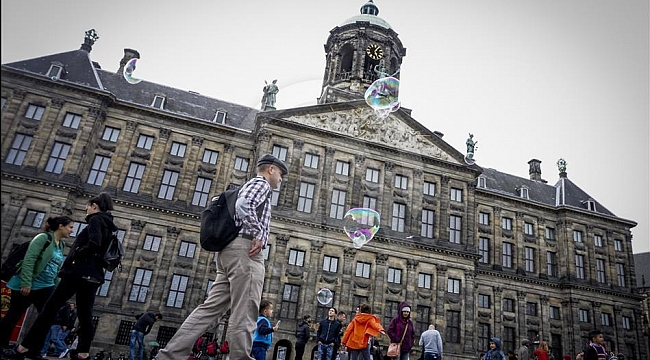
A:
12,353
35,356
64,353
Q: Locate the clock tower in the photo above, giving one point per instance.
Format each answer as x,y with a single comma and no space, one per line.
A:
352,51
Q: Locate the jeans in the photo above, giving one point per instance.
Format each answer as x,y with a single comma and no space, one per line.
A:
431,356
56,335
325,351
136,337
402,356
259,353
360,354
300,350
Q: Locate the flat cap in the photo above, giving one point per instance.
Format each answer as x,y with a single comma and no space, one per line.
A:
593,333
272,160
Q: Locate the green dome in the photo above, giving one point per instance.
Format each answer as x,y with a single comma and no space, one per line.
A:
369,12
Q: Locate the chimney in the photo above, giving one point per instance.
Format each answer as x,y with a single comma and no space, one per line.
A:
535,170
89,40
438,134
128,55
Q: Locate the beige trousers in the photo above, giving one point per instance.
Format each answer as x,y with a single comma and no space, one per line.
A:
238,287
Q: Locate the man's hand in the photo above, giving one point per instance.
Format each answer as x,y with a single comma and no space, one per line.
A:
25,290
256,247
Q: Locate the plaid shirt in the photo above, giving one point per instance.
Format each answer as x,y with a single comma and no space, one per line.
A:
255,192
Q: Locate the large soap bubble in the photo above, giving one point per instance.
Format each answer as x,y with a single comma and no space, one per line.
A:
325,296
129,68
361,225
383,96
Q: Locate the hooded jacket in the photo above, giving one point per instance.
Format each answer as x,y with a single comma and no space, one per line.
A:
86,253
496,353
302,332
397,327
328,331
361,328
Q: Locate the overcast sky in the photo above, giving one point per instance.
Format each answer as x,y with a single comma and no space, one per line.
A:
544,79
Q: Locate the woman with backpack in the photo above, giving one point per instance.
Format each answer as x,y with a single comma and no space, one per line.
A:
34,282
81,274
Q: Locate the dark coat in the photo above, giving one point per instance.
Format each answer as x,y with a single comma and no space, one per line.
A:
66,317
397,327
302,332
328,331
145,322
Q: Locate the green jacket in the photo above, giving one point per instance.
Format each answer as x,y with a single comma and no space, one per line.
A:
34,261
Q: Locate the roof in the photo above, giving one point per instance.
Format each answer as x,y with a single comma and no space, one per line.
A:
373,19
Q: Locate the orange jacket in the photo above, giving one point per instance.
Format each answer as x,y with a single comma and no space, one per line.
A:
359,331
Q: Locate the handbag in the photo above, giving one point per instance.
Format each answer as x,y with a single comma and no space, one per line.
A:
395,349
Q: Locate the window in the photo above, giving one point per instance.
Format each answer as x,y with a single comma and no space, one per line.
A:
124,332
391,308
158,102
34,218
399,217
580,266
618,245
201,191
54,72
168,185
178,149
577,236
151,242
4,101
372,175
484,250
453,286
554,312
76,228
111,134
483,336
456,194
289,307
551,264
144,142
429,188
311,161
428,218
187,249
369,203
306,197
453,327
454,229
71,120
363,269
210,156
506,256
330,264
528,229
219,117
508,339
584,315
606,319
280,152
620,274
394,275
550,233
98,170
342,168
337,208
627,322
57,158
165,334
600,271
208,287
483,218
356,301
591,205
509,305
482,182
102,291
18,149
555,346
422,319
275,197
424,281
140,286
401,182
598,241
241,163
177,290
506,223
296,257
529,259
523,192
484,301
34,112
133,177
266,251
322,310
531,309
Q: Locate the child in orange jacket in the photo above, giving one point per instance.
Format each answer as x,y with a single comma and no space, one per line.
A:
358,333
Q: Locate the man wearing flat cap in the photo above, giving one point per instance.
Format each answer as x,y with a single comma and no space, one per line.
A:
596,348
240,270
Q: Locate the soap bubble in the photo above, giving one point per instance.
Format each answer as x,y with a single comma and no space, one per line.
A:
361,225
383,96
325,296
129,68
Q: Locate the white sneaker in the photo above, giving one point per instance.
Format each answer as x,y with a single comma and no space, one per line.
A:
63,354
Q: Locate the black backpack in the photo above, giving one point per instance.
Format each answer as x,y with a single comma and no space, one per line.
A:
11,265
114,254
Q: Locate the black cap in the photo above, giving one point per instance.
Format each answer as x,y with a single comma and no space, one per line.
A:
593,333
272,160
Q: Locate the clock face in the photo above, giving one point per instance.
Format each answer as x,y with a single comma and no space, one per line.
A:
374,52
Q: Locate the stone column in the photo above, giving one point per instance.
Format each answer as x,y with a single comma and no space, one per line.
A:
347,271
470,337
411,280
545,326
521,314
380,280
443,233
441,289
498,239
315,274
10,224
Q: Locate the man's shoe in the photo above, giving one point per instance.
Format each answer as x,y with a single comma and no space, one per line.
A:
64,353
12,354
35,356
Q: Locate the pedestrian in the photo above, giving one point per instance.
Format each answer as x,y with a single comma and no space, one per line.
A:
240,271
511,355
63,325
495,352
342,318
432,343
263,335
542,351
524,353
357,335
37,277
303,334
401,330
81,274
141,328
596,348
327,335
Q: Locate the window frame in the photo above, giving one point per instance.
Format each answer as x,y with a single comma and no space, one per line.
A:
143,285
424,280
429,188
456,194
34,112
398,218
455,229
306,197
209,154
201,193
187,249
177,291
329,262
427,224
401,182
453,286
342,168
363,269
337,205
394,275
98,171
18,150
178,149
484,249
71,120
168,184
241,163
58,156
296,257
372,175
111,134
311,160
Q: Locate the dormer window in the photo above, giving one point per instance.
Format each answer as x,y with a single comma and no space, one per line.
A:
220,117
591,205
158,101
523,192
55,71
482,182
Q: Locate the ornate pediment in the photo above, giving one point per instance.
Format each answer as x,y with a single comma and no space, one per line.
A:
362,123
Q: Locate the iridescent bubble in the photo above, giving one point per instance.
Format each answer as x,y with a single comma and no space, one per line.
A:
325,296
383,96
361,225
129,68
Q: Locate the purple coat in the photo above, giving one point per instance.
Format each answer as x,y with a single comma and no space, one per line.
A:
397,326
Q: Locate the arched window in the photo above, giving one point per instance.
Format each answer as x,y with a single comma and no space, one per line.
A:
347,53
